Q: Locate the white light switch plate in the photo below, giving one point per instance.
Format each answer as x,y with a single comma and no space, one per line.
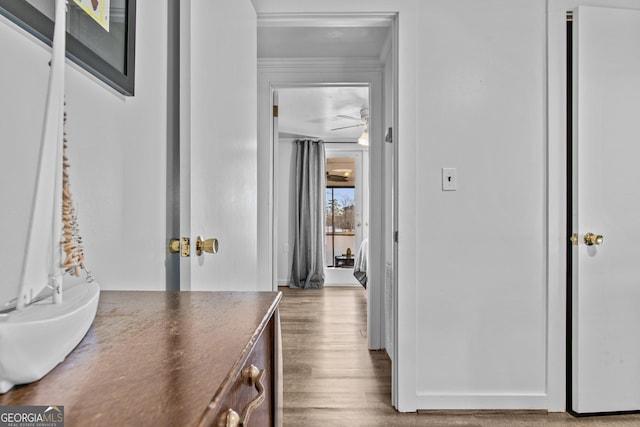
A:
449,179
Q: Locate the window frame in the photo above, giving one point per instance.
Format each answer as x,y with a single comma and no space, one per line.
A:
333,234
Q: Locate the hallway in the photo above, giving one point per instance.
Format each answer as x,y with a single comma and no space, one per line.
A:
331,379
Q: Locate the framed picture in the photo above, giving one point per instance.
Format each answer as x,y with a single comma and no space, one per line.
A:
100,34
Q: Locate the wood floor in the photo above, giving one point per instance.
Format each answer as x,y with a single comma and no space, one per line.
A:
331,379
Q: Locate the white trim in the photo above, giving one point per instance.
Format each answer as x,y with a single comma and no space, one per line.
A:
185,138
385,52
321,20
393,57
556,208
287,64
327,285
481,401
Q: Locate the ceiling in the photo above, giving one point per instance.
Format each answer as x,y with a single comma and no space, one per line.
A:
321,42
312,111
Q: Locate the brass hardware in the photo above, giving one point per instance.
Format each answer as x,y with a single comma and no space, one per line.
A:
250,374
591,239
574,239
180,245
275,111
230,418
186,247
253,377
209,245
174,246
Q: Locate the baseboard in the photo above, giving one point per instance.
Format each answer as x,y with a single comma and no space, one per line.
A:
482,402
350,285
483,411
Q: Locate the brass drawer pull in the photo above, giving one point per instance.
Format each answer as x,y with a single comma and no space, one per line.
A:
253,377
229,419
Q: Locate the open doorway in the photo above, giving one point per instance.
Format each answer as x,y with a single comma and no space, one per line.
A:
310,51
346,196
338,115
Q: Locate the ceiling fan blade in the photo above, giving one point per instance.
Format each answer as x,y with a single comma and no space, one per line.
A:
342,116
347,127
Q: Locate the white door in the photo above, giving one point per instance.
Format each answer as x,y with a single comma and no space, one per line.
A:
219,143
606,276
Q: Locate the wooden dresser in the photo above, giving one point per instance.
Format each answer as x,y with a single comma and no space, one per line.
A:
168,359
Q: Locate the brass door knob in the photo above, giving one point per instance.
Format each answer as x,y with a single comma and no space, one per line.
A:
591,239
209,245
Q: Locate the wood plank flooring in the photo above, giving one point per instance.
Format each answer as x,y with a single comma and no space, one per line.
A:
331,379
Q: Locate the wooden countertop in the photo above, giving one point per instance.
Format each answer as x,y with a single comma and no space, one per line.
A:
152,358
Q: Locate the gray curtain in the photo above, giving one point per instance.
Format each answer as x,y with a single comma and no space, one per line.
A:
309,211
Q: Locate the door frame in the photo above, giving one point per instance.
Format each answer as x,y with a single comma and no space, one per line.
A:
569,210
312,78
278,73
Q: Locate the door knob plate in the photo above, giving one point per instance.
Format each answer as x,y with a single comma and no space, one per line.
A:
180,246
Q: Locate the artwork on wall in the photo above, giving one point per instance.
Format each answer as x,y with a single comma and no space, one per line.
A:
100,35
97,9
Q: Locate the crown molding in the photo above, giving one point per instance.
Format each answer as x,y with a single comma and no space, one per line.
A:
335,20
360,64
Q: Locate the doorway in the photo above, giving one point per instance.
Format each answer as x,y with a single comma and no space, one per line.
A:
346,213
373,66
326,113
337,115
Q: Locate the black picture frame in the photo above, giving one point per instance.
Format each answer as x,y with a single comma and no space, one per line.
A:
39,25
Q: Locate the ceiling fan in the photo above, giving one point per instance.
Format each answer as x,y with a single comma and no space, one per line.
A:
364,119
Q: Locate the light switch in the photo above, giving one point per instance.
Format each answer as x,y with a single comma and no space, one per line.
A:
449,180
285,249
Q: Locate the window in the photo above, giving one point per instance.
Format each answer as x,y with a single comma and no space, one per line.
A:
340,216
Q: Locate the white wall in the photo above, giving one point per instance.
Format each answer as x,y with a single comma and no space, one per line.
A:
286,224
117,153
473,293
388,184
482,295
472,268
